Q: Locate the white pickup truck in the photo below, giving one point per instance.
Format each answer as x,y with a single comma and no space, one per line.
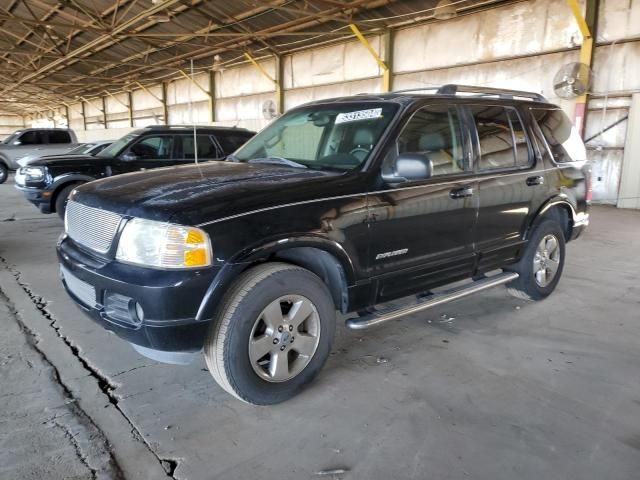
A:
30,141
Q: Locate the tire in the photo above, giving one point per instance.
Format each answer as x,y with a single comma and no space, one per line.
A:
62,198
539,257
251,311
4,173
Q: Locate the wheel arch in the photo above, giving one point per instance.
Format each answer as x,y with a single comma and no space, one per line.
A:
323,257
562,209
60,183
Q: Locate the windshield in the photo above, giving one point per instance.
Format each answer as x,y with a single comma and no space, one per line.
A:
84,148
116,147
12,137
321,137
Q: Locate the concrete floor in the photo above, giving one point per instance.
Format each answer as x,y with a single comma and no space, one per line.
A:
489,387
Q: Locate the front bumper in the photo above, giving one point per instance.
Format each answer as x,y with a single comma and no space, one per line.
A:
40,197
170,300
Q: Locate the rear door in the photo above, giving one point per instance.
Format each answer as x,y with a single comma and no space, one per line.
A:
422,232
510,182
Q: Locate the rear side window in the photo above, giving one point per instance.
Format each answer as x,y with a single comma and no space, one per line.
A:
206,147
561,136
230,142
59,136
501,137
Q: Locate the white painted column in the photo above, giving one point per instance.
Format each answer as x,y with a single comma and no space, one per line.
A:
629,195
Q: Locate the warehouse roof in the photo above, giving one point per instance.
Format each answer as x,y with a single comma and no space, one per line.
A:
58,51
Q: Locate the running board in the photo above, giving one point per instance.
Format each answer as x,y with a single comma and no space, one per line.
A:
431,301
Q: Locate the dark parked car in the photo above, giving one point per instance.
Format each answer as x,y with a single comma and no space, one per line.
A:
47,182
343,204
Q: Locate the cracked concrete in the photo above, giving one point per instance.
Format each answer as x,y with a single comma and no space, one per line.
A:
506,389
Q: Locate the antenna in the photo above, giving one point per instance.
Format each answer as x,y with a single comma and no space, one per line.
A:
193,120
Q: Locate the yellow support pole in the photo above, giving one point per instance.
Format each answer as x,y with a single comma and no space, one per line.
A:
149,92
386,74
586,51
276,83
185,75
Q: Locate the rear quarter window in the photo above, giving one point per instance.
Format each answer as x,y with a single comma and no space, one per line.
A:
563,140
230,142
59,136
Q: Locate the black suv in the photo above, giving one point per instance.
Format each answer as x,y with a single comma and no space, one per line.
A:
47,182
342,204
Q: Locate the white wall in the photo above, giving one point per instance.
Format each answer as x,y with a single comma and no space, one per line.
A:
518,46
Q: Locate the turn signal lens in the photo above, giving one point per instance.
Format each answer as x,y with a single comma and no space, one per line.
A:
163,245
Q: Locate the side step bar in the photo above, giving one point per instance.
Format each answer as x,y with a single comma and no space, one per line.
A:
377,318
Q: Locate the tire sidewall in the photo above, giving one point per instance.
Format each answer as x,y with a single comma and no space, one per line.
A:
238,368
4,173
545,227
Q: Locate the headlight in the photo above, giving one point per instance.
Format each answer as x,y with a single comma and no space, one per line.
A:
163,245
32,173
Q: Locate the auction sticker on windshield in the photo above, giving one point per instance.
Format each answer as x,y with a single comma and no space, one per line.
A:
359,115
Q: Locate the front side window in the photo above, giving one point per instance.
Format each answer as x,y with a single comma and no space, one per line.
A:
30,138
435,132
153,148
500,146
321,137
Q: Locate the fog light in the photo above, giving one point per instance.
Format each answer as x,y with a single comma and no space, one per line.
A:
139,312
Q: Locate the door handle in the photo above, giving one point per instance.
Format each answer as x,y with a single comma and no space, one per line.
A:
537,180
461,192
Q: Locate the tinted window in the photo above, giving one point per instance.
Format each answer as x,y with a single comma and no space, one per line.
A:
154,147
59,136
206,147
230,142
30,138
561,136
523,157
495,137
435,132
322,137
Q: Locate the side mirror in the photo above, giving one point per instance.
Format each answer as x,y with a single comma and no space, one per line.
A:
128,157
408,167
17,142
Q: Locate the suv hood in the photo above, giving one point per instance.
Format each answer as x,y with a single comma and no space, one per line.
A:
194,194
69,160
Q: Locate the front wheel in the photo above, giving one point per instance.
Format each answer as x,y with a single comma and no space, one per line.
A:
62,198
541,264
272,335
4,173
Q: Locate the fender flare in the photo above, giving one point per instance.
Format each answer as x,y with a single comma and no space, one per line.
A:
246,258
560,200
67,178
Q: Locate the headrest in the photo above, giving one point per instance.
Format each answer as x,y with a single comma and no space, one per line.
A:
363,136
431,142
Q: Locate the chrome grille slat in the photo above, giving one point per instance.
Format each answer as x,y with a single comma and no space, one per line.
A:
82,290
92,227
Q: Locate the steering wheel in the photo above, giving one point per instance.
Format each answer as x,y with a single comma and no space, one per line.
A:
360,150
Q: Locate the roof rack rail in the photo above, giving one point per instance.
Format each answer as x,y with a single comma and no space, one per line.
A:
417,89
453,89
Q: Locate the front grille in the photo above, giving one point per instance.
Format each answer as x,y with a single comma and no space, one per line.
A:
81,290
92,227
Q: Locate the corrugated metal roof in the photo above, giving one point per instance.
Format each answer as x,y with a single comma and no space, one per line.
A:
56,51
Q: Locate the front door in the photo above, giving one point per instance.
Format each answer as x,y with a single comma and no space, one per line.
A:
422,232
150,151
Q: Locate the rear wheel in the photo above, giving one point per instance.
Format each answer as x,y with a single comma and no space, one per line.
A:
273,334
4,173
541,264
62,198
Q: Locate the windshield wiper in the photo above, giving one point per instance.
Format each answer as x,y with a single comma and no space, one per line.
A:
277,161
